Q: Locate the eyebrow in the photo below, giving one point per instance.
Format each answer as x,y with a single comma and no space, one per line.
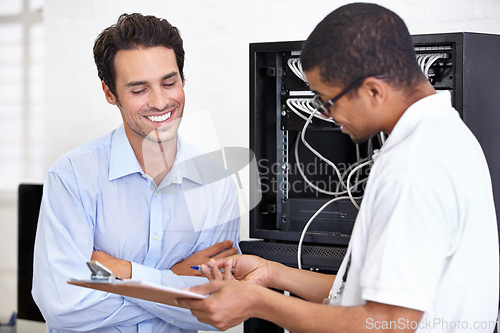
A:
140,83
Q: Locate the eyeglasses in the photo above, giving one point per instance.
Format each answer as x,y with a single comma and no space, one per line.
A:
323,107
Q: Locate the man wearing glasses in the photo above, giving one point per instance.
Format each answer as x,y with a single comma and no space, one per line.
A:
427,214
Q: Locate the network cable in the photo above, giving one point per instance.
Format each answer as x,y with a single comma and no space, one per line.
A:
298,105
303,108
301,240
296,67
342,175
324,159
350,197
425,61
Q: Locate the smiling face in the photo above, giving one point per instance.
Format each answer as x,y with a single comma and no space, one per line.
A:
149,94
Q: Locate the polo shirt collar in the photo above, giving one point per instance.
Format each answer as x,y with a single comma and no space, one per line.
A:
412,116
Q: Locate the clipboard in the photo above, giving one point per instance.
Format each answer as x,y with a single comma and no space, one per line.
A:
102,279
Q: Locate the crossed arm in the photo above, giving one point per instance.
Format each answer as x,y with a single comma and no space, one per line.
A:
246,295
123,268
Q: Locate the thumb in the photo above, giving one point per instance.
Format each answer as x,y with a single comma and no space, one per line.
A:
206,289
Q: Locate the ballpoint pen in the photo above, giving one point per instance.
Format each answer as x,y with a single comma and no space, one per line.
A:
198,268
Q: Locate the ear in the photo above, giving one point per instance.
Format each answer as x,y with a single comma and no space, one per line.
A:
110,97
376,90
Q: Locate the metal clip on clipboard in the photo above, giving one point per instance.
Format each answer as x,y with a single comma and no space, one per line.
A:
103,279
101,272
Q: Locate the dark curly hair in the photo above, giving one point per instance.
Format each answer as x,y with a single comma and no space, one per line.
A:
360,40
133,31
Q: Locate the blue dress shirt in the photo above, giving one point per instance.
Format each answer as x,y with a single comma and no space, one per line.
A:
97,198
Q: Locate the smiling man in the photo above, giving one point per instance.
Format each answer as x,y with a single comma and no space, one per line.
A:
152,104
140,200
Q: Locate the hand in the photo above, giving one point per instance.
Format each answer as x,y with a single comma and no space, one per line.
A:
121,268
217,251
212,272
229,304
246,268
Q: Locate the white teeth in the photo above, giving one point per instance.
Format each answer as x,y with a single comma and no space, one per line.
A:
160,118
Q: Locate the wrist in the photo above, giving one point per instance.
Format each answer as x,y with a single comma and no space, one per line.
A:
275,275
126,270
254,301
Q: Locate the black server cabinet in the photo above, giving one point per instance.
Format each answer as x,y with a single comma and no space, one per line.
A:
466,64
473,71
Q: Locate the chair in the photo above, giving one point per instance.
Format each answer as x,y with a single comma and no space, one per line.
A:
29,199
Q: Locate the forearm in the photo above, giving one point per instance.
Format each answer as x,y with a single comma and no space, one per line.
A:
301,316
174,315
65,306
309,285
69,307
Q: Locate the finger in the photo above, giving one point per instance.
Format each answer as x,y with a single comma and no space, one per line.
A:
221,260
216,273
216,248
184,302
231,252
207,272
228,274
207,288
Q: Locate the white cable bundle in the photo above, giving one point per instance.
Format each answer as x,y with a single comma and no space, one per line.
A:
341,176
302,108
358,165
298,105
426,61
296,67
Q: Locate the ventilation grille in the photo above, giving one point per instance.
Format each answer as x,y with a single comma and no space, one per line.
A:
313,256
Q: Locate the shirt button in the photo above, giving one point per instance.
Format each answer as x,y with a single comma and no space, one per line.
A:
156,194
155,237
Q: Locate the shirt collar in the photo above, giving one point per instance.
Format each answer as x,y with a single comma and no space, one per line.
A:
410,119
123,161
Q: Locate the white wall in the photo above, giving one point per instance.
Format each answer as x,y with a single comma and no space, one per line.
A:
216,36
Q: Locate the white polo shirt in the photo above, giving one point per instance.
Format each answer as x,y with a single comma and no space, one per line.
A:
426,235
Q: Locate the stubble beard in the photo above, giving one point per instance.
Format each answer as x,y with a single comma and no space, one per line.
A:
159,135
164,134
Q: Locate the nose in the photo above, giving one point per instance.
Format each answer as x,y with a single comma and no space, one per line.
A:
158,99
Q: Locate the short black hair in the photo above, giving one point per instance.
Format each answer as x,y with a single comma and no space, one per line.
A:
133,31
360,40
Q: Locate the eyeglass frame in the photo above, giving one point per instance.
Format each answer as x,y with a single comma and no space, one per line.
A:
323,107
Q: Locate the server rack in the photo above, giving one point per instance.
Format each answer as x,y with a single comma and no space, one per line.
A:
466,64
